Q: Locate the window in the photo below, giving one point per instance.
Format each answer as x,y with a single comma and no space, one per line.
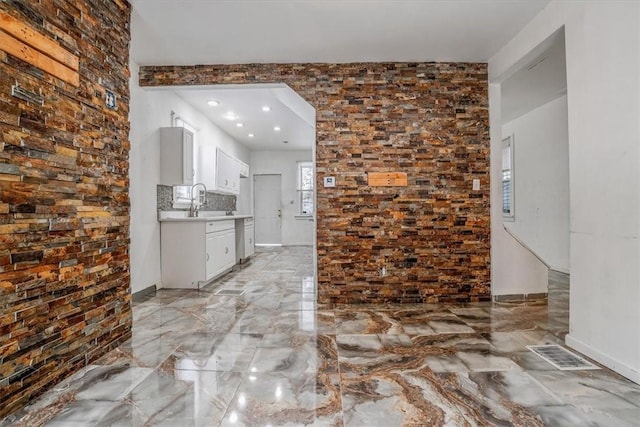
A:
305,187
507,178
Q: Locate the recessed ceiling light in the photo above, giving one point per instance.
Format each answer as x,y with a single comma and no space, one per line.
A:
239,125
213,103
230,115
266,108
251,135
276,128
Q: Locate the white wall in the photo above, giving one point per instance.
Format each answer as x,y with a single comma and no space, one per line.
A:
541,177
149,111
295,231
514,269
144,172
603,83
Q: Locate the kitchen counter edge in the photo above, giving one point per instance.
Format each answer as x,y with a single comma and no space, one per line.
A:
204,218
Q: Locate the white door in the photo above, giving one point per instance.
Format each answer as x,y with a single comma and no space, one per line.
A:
267,209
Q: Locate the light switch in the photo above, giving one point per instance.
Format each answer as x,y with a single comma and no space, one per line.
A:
110,100
476,184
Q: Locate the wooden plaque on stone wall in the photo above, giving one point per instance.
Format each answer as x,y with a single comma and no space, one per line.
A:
387,179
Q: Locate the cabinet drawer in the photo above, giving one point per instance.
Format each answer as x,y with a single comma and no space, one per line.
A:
213,226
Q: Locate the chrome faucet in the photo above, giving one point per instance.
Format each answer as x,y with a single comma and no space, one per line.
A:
194,207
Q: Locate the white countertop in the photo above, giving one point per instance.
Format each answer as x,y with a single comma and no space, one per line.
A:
205,216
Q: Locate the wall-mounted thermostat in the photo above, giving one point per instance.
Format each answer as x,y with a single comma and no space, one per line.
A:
329,181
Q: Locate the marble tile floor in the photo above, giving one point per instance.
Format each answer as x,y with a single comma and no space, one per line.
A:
271,357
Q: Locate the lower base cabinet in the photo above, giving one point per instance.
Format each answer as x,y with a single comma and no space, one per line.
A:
249,238
221,247
194,252
245,239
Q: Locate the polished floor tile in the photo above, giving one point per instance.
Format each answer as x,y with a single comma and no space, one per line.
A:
273,357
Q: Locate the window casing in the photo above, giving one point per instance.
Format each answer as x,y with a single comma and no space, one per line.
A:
508,203
305,188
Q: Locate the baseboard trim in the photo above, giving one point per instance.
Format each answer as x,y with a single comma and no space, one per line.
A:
520,297
603,359
143,294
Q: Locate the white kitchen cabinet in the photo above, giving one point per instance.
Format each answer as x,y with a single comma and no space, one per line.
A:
221,246
244,169
176,156
227,173
206,170
249,238
195,252
245,239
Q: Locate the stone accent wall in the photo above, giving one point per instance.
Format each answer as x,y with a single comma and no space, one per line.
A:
429,120
64,211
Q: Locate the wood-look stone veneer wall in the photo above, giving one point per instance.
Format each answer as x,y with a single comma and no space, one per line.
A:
429,120
64,208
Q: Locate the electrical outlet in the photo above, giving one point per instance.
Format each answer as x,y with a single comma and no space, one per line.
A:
383,271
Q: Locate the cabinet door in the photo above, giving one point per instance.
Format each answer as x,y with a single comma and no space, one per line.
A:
210,265
206,170
235,176
249,241
229,248
224,250
227,173
188,171
176,156
222,176
244,169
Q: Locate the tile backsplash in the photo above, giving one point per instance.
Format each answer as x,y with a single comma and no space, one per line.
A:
215,201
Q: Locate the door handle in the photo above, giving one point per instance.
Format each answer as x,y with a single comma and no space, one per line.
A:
207,257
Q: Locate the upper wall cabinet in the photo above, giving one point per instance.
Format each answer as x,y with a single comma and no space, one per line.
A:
227,173
244,169
176,156
206,168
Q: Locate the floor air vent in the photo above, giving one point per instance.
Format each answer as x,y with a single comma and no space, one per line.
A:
561,358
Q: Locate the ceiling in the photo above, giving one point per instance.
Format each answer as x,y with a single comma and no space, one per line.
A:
294,117
188,32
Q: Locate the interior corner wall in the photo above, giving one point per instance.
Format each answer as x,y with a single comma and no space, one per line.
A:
295,231
428,120
541,177
151,110
148,112
64,238
603,69
514,269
